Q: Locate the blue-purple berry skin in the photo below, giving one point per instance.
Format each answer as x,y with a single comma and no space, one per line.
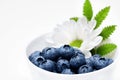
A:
66,51
77,60
77,51
62,64
110,61
102,63
90,61
48,65
67,71
36,59
50,53
85,69
68,60
98,62
34,54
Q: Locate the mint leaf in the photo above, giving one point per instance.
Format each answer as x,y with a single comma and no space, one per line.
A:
106,49
74,18
76,43
101,16
87,10
93,51
107,31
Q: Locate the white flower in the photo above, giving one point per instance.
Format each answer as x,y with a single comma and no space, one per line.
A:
82,30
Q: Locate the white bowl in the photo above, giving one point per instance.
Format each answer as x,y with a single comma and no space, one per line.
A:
40,74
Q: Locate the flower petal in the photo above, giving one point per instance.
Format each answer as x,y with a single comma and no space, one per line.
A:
83,21
95,42
89,45
95,33
92,24
60,37
64,33
70,28
82,28
81,32
87,53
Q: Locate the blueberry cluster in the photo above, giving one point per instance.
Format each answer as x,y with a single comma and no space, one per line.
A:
67,60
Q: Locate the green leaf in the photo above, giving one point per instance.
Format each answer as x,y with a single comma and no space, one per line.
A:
87,10
106,49
74,18
107,31
76,43
93,51
101,16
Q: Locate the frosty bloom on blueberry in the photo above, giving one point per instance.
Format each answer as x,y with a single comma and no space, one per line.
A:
50,53
77,60
67,60
48,65
100,63
62,64
66,51
67,71
85,69
36,58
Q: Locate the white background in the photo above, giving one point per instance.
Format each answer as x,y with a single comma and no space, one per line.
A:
23,20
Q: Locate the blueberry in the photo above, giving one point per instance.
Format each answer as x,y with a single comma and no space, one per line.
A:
50,53
37,60
90,61
33,55
110,61
66,51
77,60
85,69
77,51
67,71
62,64
48,65
98,62
102,62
